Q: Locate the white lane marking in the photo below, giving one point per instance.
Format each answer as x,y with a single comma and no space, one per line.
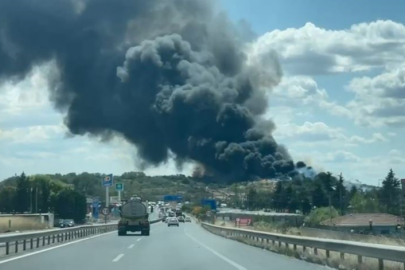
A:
118,258
58,246
131,246
51,248
139,239
237,266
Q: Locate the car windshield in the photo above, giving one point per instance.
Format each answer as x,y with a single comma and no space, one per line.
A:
237,133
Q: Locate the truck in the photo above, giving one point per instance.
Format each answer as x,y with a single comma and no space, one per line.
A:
134,218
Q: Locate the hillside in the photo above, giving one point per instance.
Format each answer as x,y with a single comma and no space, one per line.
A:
148,187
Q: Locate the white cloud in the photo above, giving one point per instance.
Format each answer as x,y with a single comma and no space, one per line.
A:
342,157
321,132
313,50
299,88
27,95
379,100
32,134
394,152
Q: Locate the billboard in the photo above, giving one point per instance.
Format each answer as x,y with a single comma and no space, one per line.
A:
108,180
243,222
210,202
172,198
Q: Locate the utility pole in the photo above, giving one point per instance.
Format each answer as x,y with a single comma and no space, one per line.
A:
31,200
107,192
340,193
36,199
330,209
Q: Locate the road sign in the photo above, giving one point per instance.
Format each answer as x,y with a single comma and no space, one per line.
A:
95,206
108,180
210,202
172,198
119,187
105,211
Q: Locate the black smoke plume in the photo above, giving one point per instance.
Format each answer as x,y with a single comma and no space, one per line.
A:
170,76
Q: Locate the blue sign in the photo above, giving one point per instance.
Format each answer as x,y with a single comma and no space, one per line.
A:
172,198
210,202
95,207
108,180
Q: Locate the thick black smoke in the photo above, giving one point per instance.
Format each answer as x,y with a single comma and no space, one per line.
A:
170,76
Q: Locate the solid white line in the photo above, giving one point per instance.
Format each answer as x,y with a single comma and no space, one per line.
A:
118,258
51,248
237,266
139,239
131,246
58,246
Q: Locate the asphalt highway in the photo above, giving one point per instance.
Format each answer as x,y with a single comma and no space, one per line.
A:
185,247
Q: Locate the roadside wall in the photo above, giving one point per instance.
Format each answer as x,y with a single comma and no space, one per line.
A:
23,222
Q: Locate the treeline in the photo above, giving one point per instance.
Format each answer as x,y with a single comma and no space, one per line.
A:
42,194
326,190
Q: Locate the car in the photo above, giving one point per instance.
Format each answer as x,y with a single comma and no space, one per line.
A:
67,223
187,219
172,222
164,218
180,219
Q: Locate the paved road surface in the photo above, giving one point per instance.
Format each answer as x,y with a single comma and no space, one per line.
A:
182,248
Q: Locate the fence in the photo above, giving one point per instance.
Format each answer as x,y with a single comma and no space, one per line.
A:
20,242
379,252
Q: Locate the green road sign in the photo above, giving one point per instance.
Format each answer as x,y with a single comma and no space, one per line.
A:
119,187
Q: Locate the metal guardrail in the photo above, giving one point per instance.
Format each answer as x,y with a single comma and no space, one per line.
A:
380,252
26,241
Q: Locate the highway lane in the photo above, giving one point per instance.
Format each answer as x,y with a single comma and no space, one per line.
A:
185,247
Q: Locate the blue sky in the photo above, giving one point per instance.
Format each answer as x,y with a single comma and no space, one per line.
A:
340,106
266,16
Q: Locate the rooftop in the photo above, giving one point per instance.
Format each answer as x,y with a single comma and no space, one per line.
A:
364,220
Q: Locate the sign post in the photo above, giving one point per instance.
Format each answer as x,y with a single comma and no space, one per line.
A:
105,212
119,187
107,183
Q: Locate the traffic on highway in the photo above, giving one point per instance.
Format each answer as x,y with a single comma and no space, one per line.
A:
187,246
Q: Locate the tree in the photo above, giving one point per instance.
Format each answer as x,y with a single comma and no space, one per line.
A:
7,199
353,191
361,203
22,198
339,195
251,198
390,192
321,214
319,197
279,198
41,192
70,204
357,202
